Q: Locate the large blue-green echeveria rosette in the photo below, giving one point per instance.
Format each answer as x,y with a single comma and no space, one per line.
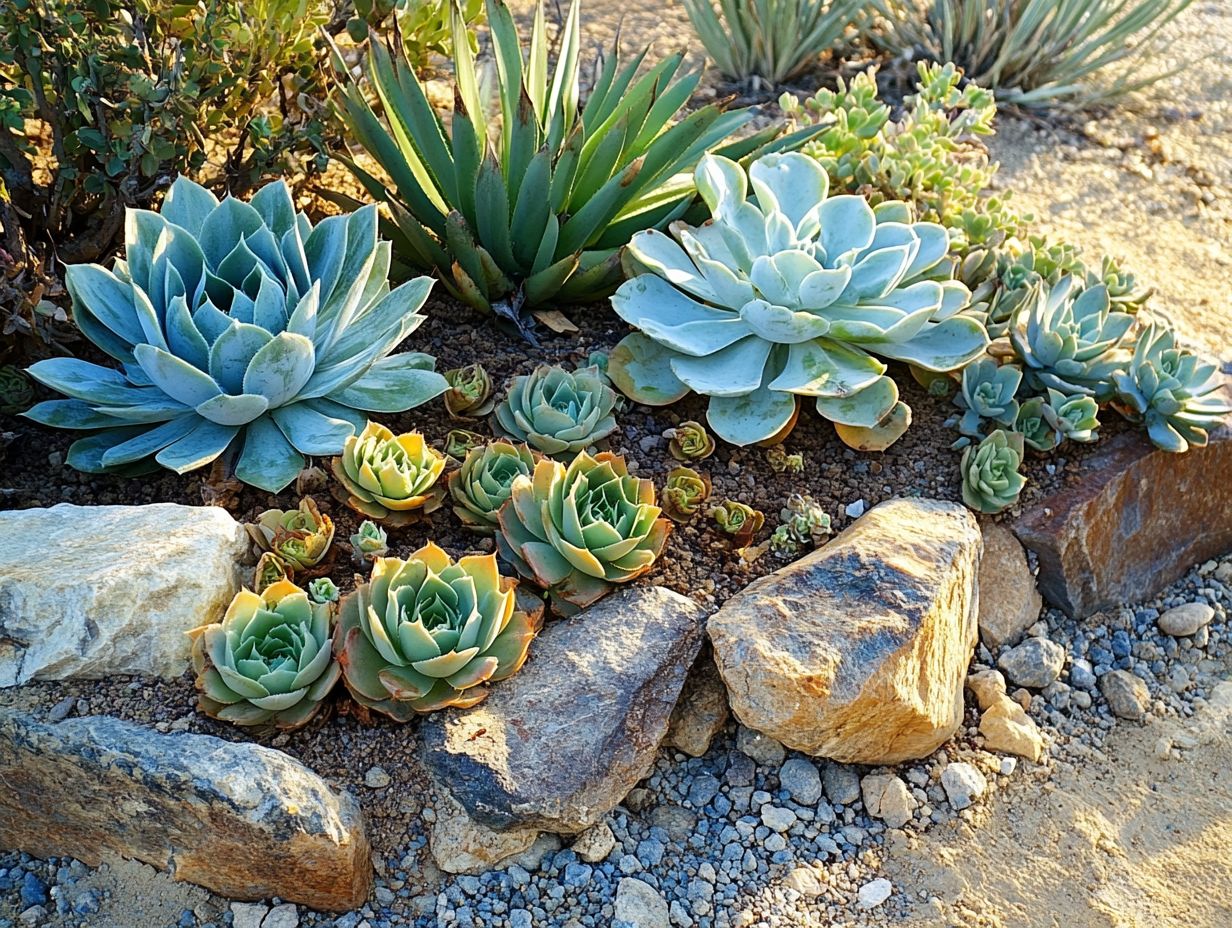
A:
786,294
236,324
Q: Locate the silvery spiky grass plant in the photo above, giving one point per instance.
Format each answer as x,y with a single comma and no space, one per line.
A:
1034,53
769,40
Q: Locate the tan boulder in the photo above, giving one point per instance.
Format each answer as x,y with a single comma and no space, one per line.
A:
858,652
1009,601
1008,729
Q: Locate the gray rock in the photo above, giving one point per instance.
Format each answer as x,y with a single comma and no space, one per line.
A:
1035,663
1127,695
761,748
963,784
871,895
559,744
595,844
702,710
802,780
887,797
640,905
858,651
1009,601
247,915
281,916
1180,621
1081,675
841,783
243,820
776,818
114,613
377,778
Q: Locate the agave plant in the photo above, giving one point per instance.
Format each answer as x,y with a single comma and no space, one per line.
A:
1046,421
739,520
1170,391
470,392
684,493
539,212
689,441
558,412
1035,53
1069,339
769,40
577,531
369,542
300,538
430,632
392,478
484,481
987,393
990,478
236,324
268,662
789,294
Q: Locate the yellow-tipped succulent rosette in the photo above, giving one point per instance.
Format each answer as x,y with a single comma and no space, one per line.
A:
269,661
391,478
429,632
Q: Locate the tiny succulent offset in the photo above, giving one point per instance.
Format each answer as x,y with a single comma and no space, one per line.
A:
236,324
429,632
1046,421
684,493
783,463
739,520
369,542
689,441
269,570
459,442
793,293
323,590
577,531
987,393
390,478
803,524
1170,391
1069,339
991,481
16,391
300,538
470,392
268,662
484,481
557,411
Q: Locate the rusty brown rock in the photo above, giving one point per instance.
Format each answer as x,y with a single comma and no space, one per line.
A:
559,744
858,652
243,820
1139,518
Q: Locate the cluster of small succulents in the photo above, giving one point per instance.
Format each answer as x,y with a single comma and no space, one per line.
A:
298,538
803,524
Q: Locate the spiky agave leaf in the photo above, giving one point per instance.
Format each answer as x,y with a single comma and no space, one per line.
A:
236,324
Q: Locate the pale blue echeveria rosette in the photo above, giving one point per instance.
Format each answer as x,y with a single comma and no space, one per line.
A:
241,323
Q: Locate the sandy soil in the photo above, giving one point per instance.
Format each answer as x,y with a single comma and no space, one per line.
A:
1135,837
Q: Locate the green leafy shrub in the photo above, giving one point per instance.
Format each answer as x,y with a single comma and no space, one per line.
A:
1034,53
791,294
236,326
425,27
538,212
769,40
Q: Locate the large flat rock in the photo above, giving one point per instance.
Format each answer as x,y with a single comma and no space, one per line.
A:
858,651
560,743
243,820
1137,520
92,591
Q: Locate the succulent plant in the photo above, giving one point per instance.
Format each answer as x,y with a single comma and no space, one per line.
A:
233,323
576,531
1069,339
805,519
988,393
470,392
689,441
783,463
268,662
459,442
369,542
990,478
323,590
789,294
300,538
1046,421
558,412
484,481
684,493
1170,391
16,391
430,632
739,520
390,478
269,570
536,211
